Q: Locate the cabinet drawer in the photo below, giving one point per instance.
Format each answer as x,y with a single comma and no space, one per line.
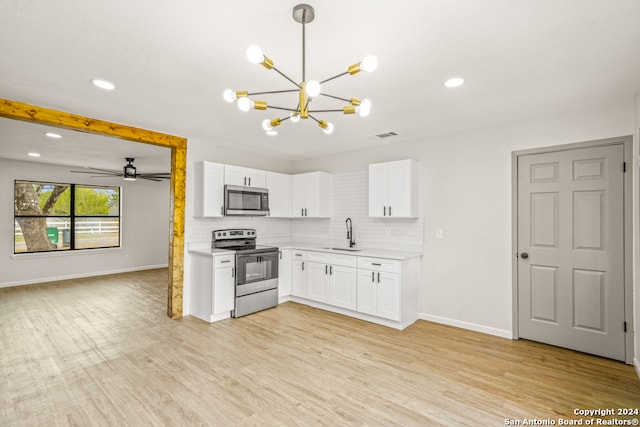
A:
321,257
379,264
298,255
345,260
224,261
332,258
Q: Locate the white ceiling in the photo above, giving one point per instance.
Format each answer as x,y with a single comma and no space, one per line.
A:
172,60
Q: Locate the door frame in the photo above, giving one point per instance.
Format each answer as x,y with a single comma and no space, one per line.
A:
627,143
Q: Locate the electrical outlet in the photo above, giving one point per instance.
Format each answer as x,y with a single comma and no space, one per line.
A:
439,233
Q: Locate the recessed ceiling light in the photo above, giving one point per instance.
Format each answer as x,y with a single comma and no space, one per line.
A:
103,84
454,82
53,135
33,154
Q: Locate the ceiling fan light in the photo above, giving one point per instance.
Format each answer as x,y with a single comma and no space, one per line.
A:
369,63
254,54
313,88
128,178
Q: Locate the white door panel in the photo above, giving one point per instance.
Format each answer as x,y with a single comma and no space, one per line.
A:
570,224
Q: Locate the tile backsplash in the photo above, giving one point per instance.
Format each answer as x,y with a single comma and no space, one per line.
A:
349,200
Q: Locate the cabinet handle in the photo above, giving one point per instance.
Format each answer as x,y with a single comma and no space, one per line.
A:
245,180
302,265
378,277
373,276
305,212
233,272
301,211
298,254
376,263
249,181
385,211
325,269
330,270
389,210
221,210
225,260
280,254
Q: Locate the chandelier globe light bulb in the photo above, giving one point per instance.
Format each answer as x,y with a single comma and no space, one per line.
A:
365,108
313,88
329,129
229,95
295,117
369,63
244,104
254,54
266,125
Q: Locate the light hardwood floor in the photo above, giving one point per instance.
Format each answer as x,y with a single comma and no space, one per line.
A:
101,351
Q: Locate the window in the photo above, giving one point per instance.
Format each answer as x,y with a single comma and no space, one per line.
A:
60,217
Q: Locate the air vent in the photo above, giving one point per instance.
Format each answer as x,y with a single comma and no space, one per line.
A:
386,134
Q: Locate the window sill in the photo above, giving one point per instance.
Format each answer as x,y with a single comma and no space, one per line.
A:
54,254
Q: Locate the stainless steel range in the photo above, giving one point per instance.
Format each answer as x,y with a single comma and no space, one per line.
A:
256,285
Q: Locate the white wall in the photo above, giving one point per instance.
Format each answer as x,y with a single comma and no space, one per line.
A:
466,191
145,229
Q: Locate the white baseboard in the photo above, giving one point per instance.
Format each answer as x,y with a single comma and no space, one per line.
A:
503,333
80,275
636,364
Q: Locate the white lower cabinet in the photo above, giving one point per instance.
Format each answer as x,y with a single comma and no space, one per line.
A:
380,290
284,273
299,273
212,286
379,294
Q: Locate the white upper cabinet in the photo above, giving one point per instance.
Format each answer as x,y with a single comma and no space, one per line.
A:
246,177
393,189
279,185
311,195
208,189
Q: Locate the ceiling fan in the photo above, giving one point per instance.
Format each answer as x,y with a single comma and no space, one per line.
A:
128,173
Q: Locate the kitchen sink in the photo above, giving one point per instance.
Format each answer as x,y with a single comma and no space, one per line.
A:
344,249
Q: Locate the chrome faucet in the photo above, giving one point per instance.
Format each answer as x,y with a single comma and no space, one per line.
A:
352,243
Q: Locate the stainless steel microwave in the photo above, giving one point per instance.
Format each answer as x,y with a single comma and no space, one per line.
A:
250,201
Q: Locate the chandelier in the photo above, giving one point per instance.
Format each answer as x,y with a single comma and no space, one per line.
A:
307,90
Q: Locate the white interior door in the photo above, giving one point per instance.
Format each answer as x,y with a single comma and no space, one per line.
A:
571,249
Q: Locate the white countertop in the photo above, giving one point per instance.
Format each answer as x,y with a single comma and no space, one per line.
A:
367,252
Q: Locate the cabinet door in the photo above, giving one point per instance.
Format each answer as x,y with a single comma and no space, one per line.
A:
208,189
256,178
279,185
318,282
300,191
299,278
367,292
284,273
235,175
343,286
318,203
378,189
223,292
402,189
388,295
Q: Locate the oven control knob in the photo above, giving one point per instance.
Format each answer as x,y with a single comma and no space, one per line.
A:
224,234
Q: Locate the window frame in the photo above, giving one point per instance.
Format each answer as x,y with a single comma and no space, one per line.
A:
71,217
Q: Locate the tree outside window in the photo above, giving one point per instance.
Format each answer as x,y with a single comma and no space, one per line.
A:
59,217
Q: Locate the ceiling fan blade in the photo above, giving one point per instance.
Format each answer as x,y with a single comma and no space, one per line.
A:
102,170
148,178
100,173
153,175
104,175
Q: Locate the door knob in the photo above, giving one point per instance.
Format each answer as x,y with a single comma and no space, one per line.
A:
524,255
